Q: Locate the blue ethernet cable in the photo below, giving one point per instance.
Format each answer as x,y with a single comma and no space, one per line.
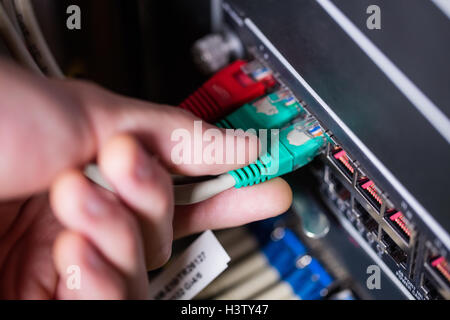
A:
280,258
275,259
283,253
312,288
282,277
306,282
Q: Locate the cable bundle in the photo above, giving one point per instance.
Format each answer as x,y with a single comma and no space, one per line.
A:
277,268
24,38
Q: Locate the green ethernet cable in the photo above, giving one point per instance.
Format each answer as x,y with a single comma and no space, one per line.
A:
299,144
271,111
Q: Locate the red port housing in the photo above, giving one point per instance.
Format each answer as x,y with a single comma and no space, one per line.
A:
398,219
370,190
441,265
341,156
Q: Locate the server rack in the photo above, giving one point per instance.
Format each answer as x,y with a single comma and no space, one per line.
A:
384,101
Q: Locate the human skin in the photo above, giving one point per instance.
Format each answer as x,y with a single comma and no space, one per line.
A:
53,217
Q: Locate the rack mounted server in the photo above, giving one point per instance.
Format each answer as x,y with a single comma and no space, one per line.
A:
382,96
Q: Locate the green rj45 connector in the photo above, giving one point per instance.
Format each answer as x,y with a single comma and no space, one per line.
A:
290,148
272,111
298,145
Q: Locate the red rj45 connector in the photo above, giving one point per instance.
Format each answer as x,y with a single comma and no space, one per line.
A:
228,89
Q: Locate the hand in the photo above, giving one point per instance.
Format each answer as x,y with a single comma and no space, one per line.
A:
52,217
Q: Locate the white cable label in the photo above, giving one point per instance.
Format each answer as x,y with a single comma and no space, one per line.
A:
191,272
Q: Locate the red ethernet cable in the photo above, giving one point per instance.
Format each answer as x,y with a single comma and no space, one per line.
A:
228,89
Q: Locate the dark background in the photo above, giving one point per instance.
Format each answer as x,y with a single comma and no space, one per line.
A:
139,48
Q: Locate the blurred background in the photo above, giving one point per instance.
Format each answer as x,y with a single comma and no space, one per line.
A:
139,48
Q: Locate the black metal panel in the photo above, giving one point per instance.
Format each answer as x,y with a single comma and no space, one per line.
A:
415,35
360,93
340,251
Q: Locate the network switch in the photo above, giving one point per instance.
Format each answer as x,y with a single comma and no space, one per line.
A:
393,231
386,229
367,175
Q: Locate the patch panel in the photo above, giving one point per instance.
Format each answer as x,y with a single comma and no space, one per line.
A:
369,200
368,227
364,204
391,239
361,182
370,224
387,230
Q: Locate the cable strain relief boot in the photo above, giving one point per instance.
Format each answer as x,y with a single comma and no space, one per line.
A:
230,88
250,175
